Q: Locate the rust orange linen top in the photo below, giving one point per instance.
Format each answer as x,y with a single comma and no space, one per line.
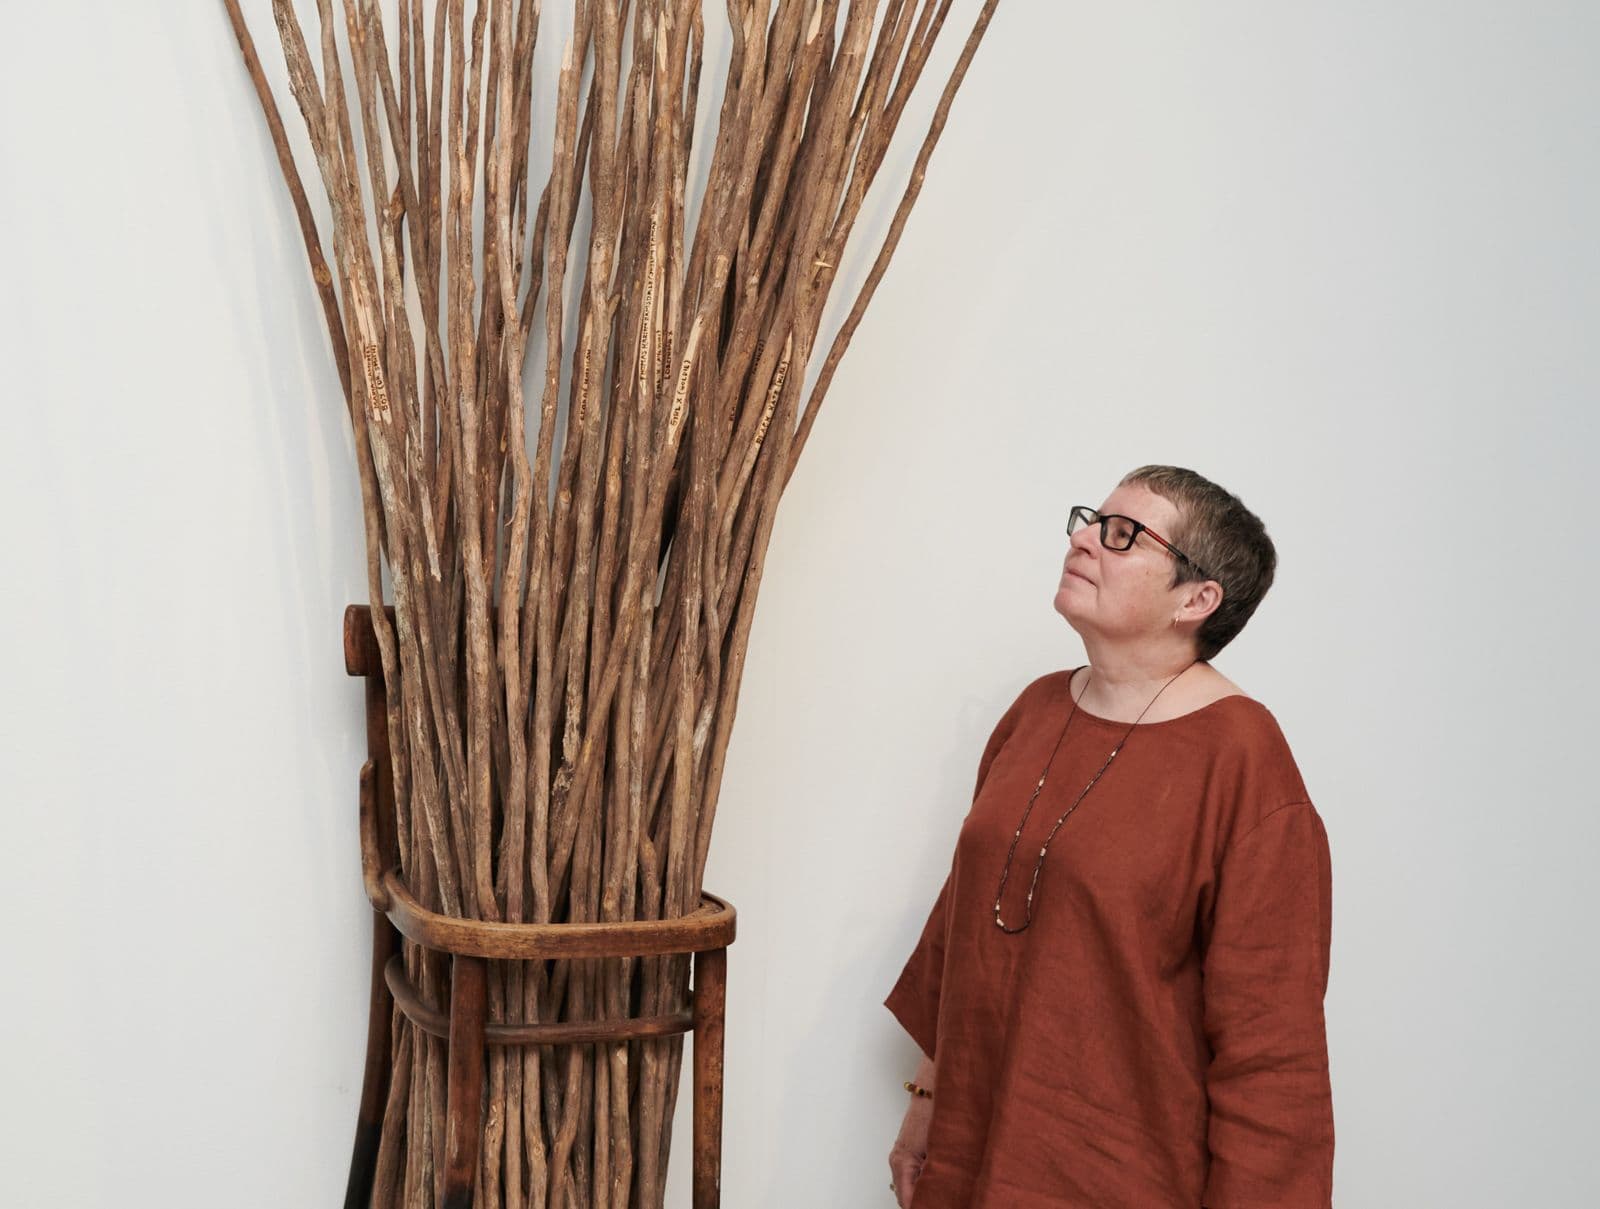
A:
1155,1038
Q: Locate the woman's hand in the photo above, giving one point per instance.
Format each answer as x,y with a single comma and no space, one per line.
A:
910,1149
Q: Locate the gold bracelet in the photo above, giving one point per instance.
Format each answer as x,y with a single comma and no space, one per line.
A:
918,1091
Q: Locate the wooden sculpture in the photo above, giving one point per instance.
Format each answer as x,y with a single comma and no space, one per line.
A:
560,646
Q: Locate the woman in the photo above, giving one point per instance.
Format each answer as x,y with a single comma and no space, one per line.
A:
1119,990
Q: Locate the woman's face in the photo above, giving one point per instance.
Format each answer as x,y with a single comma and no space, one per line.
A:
1122,595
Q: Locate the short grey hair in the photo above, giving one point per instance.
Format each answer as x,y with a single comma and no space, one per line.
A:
1216,530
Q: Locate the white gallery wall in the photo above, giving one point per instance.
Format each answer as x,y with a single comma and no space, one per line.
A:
1340,257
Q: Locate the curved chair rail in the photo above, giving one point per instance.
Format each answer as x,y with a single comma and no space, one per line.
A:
709,927
432,1020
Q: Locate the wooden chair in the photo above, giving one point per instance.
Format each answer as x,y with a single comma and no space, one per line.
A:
705,932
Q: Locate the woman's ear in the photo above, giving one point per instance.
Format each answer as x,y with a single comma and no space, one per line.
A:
1203,600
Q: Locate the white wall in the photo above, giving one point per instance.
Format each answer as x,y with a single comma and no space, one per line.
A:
1342,258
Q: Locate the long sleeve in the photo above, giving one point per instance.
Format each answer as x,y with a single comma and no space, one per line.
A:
1265,956
915,997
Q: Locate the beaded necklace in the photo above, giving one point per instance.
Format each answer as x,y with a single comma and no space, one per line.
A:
1039,864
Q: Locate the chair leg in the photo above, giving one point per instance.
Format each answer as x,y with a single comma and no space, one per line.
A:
375,1082
710,997
463,1079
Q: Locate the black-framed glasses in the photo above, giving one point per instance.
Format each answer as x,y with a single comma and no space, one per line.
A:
1119,532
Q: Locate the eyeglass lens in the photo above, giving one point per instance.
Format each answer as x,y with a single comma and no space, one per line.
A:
1116,532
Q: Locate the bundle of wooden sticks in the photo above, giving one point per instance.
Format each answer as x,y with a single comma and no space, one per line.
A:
568,655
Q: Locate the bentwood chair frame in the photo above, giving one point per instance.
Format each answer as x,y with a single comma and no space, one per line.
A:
471,944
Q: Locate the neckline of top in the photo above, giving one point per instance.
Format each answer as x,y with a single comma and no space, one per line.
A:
1093,717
